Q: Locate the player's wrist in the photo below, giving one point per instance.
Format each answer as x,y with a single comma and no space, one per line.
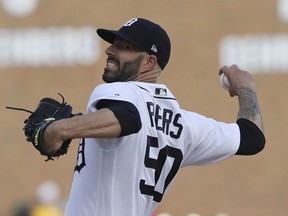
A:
243,91
52,138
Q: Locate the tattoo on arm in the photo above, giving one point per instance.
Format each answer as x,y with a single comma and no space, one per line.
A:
249,107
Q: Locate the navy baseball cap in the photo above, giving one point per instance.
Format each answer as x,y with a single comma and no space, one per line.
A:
144,34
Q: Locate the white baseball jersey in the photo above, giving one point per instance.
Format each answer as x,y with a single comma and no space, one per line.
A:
128,176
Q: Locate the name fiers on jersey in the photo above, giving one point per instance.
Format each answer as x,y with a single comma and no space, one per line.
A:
165,120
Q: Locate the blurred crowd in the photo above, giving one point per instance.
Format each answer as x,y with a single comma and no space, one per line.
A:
47,202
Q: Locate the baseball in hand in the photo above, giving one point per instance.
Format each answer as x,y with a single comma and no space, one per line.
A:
224,81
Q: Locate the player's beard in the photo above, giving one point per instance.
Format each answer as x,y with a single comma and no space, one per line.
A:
124,72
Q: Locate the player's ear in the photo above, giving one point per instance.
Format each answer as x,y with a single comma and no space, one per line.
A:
150,62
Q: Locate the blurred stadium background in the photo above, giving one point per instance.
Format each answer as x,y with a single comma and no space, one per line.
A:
50,46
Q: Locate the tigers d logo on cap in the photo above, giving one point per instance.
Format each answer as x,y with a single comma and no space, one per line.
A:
130,22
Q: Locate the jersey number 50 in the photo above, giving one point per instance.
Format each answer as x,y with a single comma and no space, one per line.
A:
158,165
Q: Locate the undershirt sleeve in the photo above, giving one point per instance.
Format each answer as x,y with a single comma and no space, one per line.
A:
126,113
252,140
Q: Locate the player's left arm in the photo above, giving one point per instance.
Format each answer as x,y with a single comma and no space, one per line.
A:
249,119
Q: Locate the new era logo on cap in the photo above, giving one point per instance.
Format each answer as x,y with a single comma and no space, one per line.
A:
154,48
144,34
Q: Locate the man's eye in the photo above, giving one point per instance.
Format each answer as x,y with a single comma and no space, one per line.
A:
123,47
126,47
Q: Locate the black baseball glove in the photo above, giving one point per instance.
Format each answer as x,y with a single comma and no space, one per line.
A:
47,111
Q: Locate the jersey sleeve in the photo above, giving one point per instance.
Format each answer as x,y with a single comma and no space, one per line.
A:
112,91
208,140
